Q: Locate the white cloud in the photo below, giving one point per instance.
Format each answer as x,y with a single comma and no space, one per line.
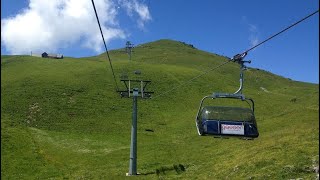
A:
253,38
142,10
49,25
253,30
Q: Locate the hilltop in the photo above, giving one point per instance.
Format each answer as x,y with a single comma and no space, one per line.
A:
64,119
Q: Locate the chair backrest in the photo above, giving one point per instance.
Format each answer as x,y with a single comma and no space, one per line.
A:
227,113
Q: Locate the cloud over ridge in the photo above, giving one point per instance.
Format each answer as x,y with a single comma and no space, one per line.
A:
54,24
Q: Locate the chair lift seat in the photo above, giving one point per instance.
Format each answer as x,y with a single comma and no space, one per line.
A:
228,121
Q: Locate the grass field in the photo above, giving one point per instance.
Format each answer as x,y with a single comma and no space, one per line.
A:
63,119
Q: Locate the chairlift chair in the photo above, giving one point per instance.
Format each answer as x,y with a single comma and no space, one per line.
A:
228,120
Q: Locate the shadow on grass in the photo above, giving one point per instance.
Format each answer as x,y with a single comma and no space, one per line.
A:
166,169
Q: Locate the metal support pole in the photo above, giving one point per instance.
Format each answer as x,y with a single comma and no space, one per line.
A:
129,89
141,88
133,146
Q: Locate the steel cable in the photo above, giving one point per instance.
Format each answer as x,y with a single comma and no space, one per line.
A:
190,80
281,31
105,46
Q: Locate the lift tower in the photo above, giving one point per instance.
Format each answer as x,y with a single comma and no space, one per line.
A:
134,92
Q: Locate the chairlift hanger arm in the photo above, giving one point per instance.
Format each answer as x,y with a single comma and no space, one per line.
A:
239,59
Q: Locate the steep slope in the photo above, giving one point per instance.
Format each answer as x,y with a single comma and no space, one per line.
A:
63,118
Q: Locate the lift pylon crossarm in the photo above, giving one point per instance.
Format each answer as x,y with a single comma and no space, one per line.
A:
128,92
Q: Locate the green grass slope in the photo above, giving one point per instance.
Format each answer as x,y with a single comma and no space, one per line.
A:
62,119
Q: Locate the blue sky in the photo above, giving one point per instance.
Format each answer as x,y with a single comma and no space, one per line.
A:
223,27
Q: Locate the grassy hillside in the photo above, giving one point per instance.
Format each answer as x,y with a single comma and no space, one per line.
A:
62,119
